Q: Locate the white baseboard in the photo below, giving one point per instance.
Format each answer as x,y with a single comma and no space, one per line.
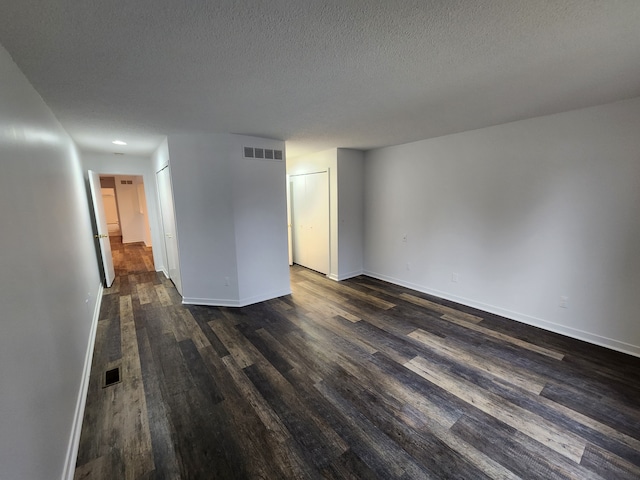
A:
74,439
589,337
227,302
344,276
211,302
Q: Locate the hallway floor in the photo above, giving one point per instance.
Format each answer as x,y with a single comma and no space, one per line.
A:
357,379
130,257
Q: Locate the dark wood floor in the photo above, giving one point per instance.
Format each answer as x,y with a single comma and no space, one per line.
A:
130,257
358,379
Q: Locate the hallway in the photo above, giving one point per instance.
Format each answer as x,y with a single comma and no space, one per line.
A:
130,257
357,379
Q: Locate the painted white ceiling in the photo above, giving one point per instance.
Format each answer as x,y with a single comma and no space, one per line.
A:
318,73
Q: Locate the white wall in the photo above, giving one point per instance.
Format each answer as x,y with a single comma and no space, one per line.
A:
350,212
260,221
230,219
132,217
134,165
144,210
524,213
345,205
203,198
110,207
49,283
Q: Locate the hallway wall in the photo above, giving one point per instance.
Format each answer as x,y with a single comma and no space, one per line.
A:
49,283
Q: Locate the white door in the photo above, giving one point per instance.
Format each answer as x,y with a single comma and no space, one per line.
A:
310,220
102,233
169,226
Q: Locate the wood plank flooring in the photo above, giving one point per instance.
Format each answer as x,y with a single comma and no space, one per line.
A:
358,379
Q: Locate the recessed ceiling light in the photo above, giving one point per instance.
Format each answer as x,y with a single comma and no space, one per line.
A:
119,142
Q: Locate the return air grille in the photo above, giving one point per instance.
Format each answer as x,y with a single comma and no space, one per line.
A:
262,153
111,377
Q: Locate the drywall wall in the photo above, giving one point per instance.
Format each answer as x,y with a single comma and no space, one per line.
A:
203,198
134,165
350,212
260,221
132,218
345,168
49,284
230,219
144,211
520,215
110,209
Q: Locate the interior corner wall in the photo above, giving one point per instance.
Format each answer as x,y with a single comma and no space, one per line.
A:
201,178
230,219
260,221
317,162
133,165
49,283
523,214
350,212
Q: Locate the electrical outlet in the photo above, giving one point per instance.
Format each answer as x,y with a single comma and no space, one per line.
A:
564,302
454,277
404,239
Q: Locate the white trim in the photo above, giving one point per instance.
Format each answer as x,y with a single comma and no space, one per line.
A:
333,277
589,337
243,302
164,270
74,439
346,276
212,302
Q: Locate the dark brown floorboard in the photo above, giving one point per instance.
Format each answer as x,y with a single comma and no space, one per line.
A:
357,379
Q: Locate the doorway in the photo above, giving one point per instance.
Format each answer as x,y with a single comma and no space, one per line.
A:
127,224
309,205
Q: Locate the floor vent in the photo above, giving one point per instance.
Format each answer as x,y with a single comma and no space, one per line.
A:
111,377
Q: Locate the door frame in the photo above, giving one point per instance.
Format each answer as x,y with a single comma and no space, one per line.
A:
177,278
153,213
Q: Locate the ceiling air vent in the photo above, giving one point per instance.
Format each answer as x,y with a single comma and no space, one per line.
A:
262,153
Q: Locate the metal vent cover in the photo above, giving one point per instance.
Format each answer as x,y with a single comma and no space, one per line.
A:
111,377
262,153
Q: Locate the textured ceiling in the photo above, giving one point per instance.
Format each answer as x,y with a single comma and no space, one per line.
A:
318,73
